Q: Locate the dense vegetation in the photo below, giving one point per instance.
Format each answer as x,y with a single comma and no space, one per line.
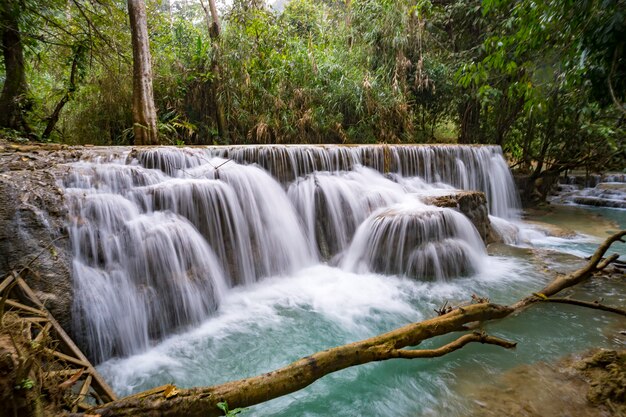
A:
545,80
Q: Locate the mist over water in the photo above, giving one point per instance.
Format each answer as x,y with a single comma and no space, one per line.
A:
201,265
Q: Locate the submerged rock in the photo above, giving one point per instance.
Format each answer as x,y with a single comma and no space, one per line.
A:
593,386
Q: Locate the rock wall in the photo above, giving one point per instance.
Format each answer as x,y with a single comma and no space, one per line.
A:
32,224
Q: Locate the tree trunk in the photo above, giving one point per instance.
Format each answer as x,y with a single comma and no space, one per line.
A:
13,95
213,24
202,401
71,88
212,19
144,112
470,121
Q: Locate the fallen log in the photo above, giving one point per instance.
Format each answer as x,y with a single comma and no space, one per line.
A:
203,401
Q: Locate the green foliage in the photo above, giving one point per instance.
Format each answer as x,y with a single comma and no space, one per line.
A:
545,80
25,384
227,412
541,76
13,135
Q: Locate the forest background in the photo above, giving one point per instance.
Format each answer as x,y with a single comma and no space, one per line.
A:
546,80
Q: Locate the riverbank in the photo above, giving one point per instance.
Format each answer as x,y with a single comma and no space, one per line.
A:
592,384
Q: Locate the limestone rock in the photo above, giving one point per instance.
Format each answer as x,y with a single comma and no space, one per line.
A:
473,204
32,216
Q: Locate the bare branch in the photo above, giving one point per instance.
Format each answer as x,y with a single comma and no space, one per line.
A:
619,105
606,262
594,305
596,263
95,29
456,345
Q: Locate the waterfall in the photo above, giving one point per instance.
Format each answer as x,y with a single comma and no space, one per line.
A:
416,240
159,235
333,205
480,168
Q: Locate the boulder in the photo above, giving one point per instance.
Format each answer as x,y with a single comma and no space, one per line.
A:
473,204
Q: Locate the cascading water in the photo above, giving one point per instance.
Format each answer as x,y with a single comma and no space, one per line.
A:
333,205
418,241
480,168
145,246
159,235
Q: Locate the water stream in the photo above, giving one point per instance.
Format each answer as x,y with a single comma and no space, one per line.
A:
199,266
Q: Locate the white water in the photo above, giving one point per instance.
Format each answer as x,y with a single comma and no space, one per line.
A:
609,191
416,240
268,324
161,236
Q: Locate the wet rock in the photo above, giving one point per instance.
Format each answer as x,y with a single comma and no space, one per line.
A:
32,231
473,204
594,386
606,373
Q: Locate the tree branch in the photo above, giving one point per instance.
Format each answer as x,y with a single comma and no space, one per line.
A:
596,263
594,304
619,105
451,347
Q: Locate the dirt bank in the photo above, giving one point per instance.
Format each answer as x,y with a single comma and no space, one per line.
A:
591,385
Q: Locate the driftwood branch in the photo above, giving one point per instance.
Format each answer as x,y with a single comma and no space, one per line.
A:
596,263
476,337
203,401
593,304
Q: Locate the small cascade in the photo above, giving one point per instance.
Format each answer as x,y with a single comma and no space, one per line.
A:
160,234
505,230
418,241
278,242
333,205
600,191
212,207
479,168
137,276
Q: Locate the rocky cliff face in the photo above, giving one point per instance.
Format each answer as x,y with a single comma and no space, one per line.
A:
32,223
